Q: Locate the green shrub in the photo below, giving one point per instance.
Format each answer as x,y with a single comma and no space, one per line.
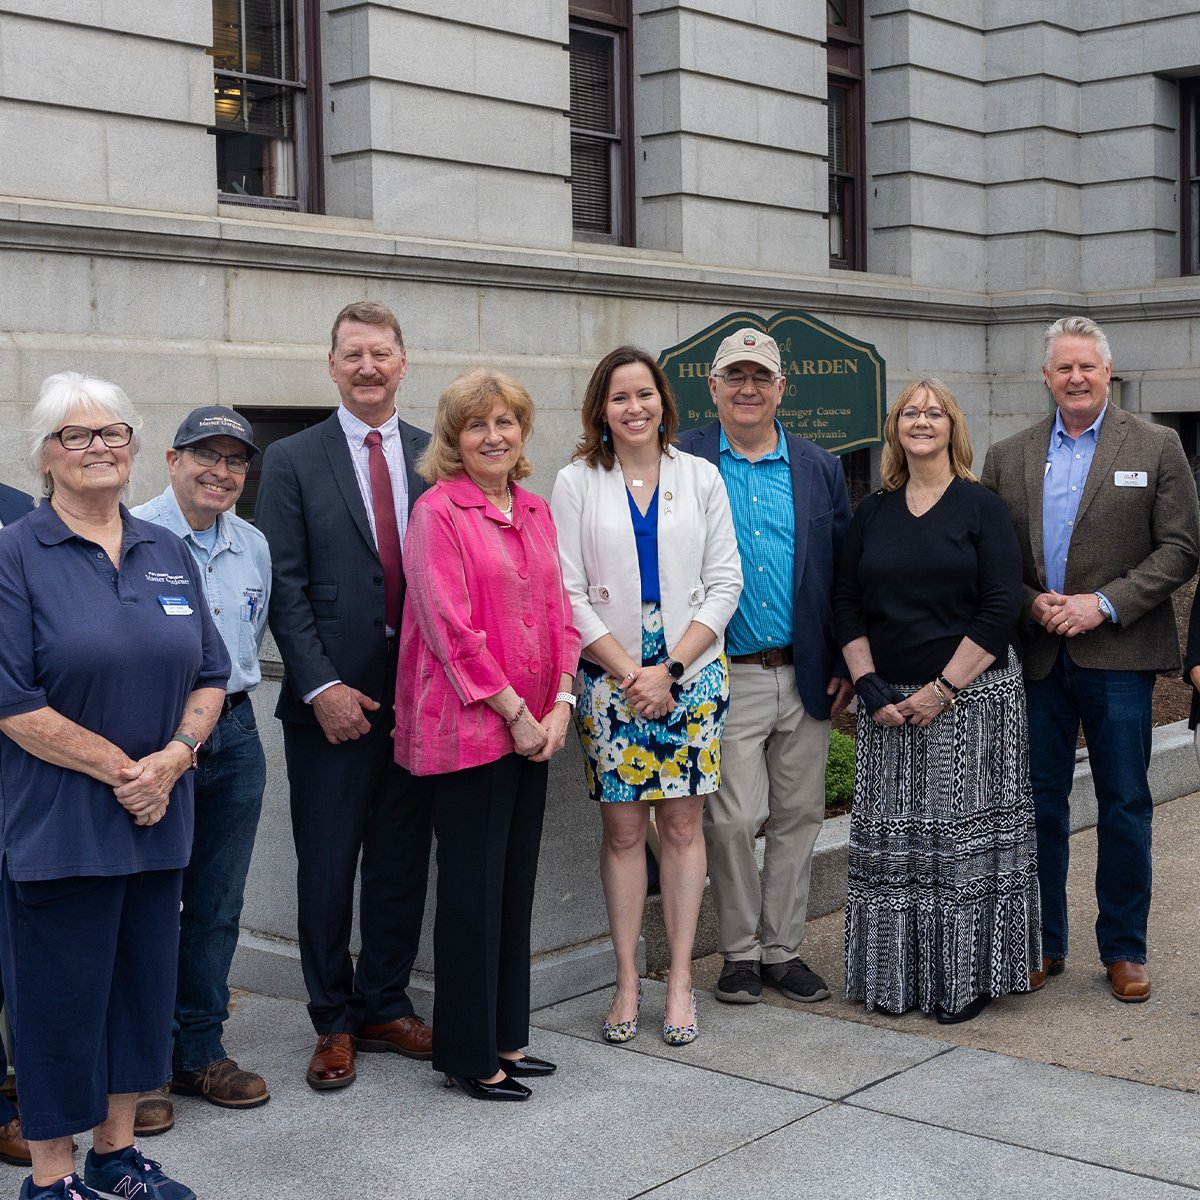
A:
839,769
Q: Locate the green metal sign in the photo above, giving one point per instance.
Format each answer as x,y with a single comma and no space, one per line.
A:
836,388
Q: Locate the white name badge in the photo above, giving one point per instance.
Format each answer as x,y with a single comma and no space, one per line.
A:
175,606
1130,479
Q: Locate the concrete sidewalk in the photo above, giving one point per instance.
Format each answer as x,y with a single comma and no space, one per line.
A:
777,1100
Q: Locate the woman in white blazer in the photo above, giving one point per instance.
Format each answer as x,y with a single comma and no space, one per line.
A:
651,566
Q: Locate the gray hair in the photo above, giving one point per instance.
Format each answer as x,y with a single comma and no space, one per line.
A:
1077,327
64,394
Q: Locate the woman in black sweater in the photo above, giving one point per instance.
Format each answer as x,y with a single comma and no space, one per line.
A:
942,910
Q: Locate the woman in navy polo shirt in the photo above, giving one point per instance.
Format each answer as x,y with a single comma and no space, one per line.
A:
111,674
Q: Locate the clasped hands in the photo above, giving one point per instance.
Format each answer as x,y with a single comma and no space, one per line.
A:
648,690
537,740
145,788
1067,616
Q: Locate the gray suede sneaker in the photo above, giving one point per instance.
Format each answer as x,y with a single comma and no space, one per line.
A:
739,983
796,981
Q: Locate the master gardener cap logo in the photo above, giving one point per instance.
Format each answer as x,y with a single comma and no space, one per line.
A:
214,421
748,345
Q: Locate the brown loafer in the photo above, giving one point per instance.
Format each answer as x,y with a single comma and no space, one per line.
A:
155,1113
332,1063
223,1083
1050,966
13,1146
1130,981
406,1035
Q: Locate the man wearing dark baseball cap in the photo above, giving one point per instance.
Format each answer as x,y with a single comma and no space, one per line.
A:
208,463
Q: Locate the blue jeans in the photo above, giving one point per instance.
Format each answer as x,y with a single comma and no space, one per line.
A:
229,789
1115,709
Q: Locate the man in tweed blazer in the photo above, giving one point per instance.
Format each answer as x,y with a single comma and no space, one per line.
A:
1105,510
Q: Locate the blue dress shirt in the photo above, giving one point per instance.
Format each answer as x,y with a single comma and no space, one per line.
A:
764,519
1068,461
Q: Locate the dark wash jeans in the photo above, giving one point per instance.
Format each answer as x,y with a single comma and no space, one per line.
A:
229,789
1115,710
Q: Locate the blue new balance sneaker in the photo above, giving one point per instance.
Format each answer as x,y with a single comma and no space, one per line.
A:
69,1187
132,1177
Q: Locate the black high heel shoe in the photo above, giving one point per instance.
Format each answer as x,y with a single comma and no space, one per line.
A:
504,1089
527,1067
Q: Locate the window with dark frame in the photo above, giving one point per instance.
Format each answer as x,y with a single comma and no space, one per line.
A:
847,135
1189,176
271,424
266,89
601,143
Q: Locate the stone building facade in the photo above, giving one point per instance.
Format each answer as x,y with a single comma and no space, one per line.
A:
184,209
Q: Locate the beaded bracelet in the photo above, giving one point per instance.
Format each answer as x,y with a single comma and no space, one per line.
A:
516,716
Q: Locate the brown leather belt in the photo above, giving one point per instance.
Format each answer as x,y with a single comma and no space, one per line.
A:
779,656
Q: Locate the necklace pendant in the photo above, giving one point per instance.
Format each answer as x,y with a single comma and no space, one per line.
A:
638,482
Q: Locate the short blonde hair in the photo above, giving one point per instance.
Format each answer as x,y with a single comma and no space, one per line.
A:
893,468
473,394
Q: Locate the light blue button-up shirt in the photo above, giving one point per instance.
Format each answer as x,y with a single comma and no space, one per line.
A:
1068,461
764,519
237,582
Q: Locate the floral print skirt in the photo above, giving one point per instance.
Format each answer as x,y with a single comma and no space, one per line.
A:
627,757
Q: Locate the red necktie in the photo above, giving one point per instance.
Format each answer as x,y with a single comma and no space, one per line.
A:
387,532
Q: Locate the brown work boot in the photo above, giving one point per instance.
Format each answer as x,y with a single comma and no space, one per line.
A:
223,1083
155,1113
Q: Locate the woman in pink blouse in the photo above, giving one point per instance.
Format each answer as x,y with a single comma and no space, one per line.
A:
487,660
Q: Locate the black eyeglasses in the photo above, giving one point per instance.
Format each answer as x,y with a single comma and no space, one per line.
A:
737,379
80,437
239,464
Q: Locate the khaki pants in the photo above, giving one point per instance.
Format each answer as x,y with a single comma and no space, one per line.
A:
772,765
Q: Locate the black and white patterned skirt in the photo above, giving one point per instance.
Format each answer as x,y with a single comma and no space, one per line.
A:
942,898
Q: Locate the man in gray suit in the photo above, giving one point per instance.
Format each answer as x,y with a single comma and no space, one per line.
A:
334,503
1105,510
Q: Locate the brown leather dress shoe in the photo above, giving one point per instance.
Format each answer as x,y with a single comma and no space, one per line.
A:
223,1083
332,1063
1130,981
405,1035
1050,966
155,1113
13,1146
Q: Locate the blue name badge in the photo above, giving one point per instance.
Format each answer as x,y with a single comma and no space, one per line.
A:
175,606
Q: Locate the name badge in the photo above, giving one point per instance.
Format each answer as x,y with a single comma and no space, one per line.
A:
1130,479
175,606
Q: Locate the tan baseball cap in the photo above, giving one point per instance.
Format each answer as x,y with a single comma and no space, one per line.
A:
748,345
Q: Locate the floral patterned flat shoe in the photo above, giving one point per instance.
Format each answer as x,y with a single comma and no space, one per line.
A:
623,1031
682,1035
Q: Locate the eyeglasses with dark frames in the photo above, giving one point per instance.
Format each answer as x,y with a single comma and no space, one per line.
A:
737,379
238,464
80,437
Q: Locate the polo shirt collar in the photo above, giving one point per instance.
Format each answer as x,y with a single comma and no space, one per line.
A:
50,529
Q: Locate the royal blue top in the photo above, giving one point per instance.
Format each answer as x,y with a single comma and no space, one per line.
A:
645,536
116,651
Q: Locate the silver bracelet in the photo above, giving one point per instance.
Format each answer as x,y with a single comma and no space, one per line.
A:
565,698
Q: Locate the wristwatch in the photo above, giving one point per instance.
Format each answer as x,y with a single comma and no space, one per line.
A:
1105,608
675,668
192,744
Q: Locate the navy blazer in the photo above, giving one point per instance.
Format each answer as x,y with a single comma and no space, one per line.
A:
13,504
822,507
327,597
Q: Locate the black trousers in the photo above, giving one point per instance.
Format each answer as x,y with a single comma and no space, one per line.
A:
349,799
489,830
